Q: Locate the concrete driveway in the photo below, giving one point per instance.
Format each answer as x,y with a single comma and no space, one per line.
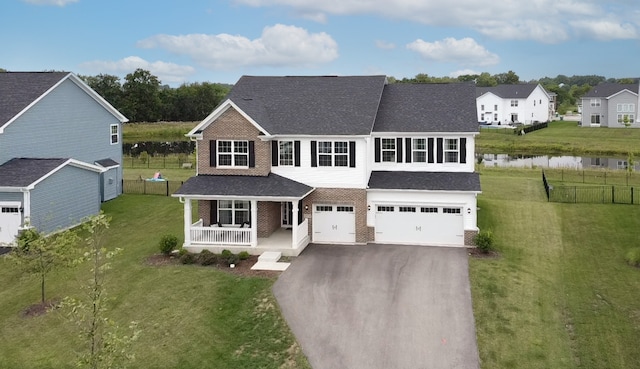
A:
380,306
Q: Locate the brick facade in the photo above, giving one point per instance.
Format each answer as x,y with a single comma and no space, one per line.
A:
347,196
268,218
231,125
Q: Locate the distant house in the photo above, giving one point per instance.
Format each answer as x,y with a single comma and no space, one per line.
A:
510,104
611,105
60,152
285,161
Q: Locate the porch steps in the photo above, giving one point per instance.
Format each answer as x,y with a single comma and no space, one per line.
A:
269,261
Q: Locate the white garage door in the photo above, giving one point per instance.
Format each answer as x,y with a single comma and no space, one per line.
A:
334,223
9,223
419,224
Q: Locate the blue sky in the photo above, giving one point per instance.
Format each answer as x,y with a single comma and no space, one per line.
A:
220,40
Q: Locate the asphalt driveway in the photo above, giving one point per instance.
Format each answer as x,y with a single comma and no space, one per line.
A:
381,306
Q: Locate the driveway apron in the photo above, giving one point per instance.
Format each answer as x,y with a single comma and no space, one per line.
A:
380,306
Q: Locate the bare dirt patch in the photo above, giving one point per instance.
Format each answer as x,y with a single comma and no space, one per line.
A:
40,308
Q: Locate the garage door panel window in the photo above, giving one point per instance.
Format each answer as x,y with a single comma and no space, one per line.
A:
10,210
322,208
344,209
451,210
407,209
428,210
385,209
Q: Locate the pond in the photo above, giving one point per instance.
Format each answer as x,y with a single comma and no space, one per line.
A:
549,161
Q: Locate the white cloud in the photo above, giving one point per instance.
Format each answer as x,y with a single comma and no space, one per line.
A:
465,51
51,2
380,44
278,46
605,30
169,73
463,72
547,21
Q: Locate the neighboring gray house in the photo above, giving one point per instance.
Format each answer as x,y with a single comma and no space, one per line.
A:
611,105
60,151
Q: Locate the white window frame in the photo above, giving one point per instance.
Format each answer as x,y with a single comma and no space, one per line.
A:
495,108
631,118
285,153
596,120
236,152
416,151
595,102
451,150
388,146
514,103
114,134
333,154
626,108
234,209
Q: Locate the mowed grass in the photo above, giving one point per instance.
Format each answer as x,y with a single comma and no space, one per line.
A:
190,316
563,137
560,295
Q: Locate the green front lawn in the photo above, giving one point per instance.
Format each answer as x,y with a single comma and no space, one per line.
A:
563,137
560,295
190,316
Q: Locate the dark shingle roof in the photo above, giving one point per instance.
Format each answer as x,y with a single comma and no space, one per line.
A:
108,162
321,105
21,172
272,185
429,181
608,89
427,108
19,89
517,91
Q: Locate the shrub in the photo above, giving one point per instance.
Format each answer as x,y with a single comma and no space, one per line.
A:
633,257
168,243
228,258
484,241
187,258
233,259
26,237
243,255
206,257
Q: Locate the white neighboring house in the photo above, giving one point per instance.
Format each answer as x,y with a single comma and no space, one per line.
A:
510,104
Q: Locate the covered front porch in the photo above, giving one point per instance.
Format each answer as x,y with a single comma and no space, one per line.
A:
242,213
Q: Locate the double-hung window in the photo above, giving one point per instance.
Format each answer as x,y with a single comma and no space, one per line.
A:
514,103
388,148
233,212
115,134
233,153
333,153
285,153
595,102
419,150
451,150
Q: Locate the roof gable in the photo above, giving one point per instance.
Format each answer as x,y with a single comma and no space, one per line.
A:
424,107
606,90
514,91
21,90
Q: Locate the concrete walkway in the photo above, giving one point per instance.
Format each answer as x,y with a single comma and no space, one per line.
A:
381,306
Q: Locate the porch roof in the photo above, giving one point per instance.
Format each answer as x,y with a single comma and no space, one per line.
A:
425,181
270,186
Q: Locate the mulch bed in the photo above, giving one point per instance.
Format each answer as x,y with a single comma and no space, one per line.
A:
242,268
477,253
40,308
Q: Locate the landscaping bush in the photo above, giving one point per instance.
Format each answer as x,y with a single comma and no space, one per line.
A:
633,257
187,258
206,257
228,258
484,241
243,255
168,243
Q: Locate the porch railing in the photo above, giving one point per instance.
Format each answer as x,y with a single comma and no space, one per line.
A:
221,236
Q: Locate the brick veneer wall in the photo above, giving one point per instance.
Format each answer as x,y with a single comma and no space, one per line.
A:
231,125
268,218
204,212
349,196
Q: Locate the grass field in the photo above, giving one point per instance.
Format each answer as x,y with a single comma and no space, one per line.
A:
190,317
560,294
159,131
563,137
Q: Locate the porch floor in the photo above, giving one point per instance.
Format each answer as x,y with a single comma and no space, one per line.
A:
278,240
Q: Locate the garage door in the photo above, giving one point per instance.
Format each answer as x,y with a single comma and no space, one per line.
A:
334,223
419,224
9,223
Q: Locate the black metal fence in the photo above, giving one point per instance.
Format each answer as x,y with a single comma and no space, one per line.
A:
610,194
158,162
164,188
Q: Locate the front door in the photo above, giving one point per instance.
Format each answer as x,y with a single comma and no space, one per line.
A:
287,214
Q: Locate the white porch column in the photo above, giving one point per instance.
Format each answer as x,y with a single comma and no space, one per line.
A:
254,223
187,222
294,222
26,208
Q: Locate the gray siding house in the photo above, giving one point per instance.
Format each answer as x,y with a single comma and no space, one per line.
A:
60,151
611,105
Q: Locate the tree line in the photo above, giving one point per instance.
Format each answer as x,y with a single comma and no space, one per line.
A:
142,98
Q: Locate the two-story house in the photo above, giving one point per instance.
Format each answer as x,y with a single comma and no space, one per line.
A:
518,103
60,152
611,105
285,161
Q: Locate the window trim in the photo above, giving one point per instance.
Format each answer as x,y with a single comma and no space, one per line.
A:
281,153
595,102
514,103
415,151
232,153
234,210
597,116
332,155
115,134
446,150
390,150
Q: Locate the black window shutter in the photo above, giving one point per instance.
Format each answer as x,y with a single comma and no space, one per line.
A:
212,153
407,144
399,150
314,157
274,153
430,150
352,154
376,148
439,149
213,212
296,153
463,150
252,154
